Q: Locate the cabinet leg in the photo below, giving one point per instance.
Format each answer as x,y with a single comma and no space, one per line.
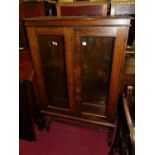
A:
48,122
112,152
44,122
110,134
41,123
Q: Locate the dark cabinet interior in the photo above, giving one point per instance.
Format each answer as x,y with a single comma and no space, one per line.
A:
95,62
95,68
51,49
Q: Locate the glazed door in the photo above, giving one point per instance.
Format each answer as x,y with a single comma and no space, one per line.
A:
94,71
54,66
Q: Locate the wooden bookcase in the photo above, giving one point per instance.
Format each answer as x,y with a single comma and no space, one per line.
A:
78,63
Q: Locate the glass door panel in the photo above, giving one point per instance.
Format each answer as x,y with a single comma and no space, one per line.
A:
51,48
96,60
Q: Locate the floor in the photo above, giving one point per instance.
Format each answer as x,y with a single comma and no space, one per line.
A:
65,139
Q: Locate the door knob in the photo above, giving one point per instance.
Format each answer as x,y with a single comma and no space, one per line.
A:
54,43
84,43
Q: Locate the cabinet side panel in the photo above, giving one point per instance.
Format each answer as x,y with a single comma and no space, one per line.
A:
36,60
117,64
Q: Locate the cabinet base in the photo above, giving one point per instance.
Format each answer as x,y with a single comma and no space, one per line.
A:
100,126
